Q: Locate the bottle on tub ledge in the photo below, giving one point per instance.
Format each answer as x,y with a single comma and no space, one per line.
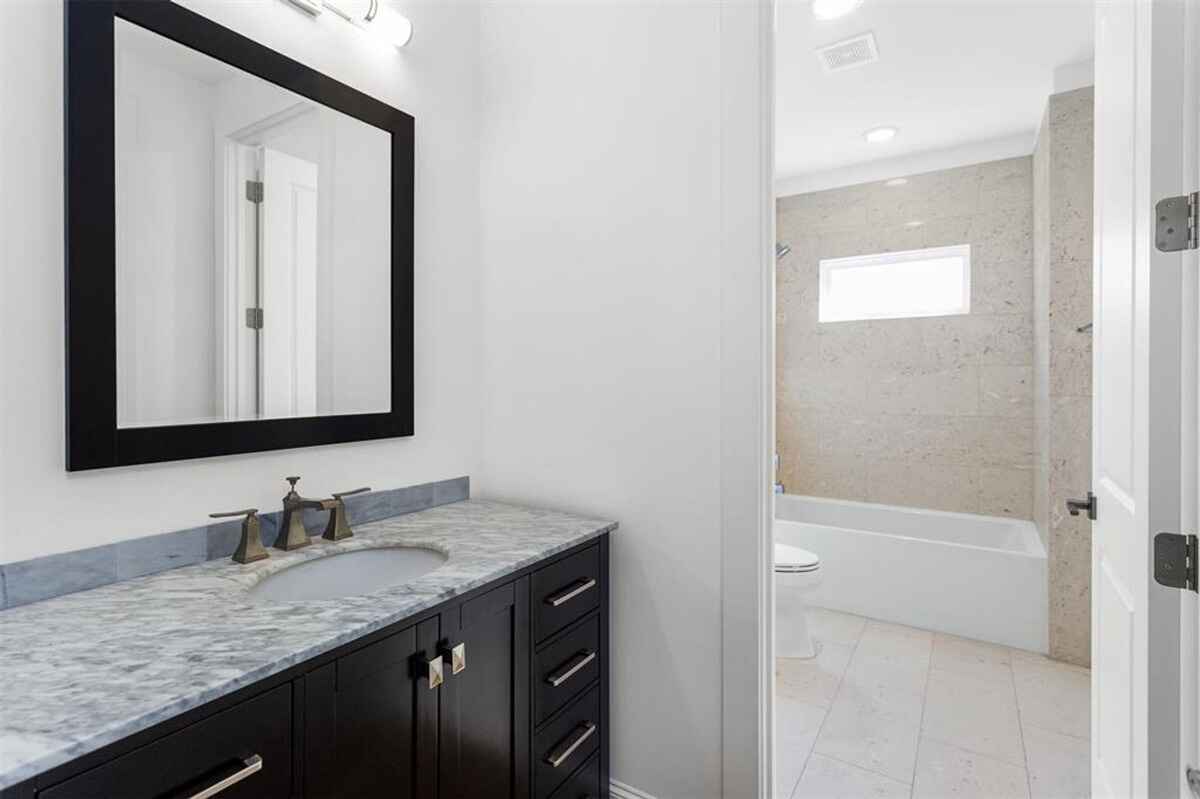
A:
778,485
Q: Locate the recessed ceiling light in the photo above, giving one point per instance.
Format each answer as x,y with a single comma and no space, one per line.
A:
832,9
914,223
896,182
880,135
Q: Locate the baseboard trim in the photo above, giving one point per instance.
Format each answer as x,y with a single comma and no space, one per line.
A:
620,790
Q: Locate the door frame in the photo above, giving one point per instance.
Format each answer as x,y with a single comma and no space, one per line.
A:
1161,55
747,385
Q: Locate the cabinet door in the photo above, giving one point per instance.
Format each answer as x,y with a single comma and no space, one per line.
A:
371,720
485,705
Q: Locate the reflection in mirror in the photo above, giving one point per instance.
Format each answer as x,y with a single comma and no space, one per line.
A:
253,245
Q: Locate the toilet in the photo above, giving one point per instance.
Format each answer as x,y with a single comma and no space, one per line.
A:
797,573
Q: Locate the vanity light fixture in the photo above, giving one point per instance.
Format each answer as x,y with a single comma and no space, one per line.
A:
371,16
832,9
880,135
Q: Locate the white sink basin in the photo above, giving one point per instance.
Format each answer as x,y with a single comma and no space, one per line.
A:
348,574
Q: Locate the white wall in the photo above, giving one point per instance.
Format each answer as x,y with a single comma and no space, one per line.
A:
44,509
606,254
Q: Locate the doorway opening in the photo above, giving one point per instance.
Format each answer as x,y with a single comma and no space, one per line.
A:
933,398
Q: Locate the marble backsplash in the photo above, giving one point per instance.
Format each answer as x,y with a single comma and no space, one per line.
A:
33,580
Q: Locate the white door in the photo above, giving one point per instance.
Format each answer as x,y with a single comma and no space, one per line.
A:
1140,69
288,270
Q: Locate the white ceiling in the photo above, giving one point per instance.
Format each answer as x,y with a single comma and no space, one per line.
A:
950,73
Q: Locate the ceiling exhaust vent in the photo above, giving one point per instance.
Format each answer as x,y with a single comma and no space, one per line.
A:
849,53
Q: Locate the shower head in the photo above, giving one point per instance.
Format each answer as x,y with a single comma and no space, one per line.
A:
781,250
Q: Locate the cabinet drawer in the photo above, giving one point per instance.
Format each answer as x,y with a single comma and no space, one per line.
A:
565,591
565,667
566,742
248,747
584,784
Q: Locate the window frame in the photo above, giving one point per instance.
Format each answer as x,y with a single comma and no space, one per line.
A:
828,266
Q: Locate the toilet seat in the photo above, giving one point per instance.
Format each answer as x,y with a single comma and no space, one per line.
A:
794,560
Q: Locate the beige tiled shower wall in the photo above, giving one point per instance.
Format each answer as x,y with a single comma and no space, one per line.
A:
933,412
1063,374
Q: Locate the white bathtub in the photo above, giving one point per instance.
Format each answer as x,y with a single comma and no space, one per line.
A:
983,577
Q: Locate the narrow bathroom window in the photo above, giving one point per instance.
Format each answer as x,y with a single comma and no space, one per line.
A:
896,285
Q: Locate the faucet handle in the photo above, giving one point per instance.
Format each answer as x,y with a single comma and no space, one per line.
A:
228,513
250,548
350,493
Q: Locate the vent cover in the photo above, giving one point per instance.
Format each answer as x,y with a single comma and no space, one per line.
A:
849,53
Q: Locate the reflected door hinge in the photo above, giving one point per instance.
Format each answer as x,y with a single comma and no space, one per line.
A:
254,191
254,318
1175,560
1193,780
1177,223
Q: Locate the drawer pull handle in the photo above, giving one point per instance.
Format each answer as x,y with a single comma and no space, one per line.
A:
571,668
567,594
560,753
251,765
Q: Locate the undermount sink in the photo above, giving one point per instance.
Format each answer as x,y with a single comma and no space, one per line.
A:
362,571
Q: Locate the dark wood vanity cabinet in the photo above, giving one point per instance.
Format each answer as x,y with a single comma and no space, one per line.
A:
520,712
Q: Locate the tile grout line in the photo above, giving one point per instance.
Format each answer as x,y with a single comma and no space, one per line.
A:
912,788
1021,730
837,692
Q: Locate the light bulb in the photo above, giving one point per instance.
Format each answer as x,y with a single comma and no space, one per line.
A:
391,26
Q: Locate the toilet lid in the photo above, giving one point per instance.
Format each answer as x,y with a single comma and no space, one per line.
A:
794,559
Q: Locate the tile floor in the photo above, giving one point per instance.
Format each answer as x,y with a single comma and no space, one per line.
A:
890,711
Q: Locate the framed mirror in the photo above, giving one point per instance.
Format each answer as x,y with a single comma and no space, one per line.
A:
239,245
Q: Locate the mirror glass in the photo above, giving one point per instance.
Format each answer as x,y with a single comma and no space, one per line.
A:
253,245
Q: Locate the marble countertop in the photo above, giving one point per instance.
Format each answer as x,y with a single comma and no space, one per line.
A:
84,670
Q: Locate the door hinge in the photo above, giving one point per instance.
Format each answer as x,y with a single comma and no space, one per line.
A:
254,318
254,191
1177,223
1175,560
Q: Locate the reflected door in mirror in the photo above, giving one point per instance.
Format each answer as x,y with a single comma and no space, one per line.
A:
253,247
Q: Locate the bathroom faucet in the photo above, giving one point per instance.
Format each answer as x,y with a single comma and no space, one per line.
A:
339,526
292,534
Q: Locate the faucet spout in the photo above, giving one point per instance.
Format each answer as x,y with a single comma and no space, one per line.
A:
292,534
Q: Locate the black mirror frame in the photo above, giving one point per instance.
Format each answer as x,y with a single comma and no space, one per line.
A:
93,440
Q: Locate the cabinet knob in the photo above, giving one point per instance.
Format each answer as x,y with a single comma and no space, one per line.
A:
457,658
434,672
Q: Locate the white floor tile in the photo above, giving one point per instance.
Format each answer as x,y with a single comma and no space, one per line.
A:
835,626
946,771
796,728
881,639
1059,766
977,715
829,779
1054,696
969,658
878,733
885,706
813,681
